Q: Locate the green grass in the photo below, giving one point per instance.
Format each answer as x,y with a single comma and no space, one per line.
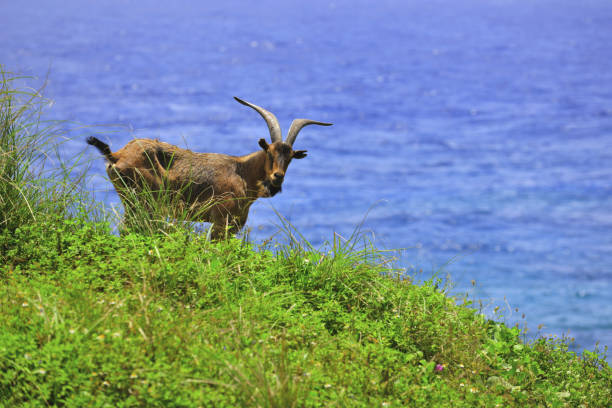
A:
170,319
34,182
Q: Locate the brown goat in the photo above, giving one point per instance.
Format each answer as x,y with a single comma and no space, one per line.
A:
214,187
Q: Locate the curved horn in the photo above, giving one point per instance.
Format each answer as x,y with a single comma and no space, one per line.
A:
297,125
275,130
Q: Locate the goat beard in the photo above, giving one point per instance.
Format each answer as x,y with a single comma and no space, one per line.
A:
267,189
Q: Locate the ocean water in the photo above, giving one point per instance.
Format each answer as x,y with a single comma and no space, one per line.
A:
476,135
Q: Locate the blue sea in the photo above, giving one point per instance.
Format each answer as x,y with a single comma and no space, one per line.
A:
474,134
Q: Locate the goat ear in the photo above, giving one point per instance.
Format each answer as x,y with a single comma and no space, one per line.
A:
264,145
299,154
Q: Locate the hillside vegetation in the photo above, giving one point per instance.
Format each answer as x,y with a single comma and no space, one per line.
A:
161,316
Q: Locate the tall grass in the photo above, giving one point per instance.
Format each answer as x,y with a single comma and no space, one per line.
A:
163,210
34,182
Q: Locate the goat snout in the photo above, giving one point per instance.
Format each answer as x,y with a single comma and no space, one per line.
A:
278,178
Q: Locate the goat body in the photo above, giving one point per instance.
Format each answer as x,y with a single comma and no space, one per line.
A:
212,187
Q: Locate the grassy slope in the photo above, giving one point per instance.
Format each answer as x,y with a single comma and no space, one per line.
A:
88,318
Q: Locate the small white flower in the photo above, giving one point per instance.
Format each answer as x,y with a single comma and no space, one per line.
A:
327,385
25,304
72,331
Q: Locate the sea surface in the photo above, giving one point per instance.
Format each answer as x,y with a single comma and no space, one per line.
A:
476,135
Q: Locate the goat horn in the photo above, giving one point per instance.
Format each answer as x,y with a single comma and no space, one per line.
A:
275,130
297,125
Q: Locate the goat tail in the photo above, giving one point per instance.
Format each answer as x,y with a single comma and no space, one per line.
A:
102,147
